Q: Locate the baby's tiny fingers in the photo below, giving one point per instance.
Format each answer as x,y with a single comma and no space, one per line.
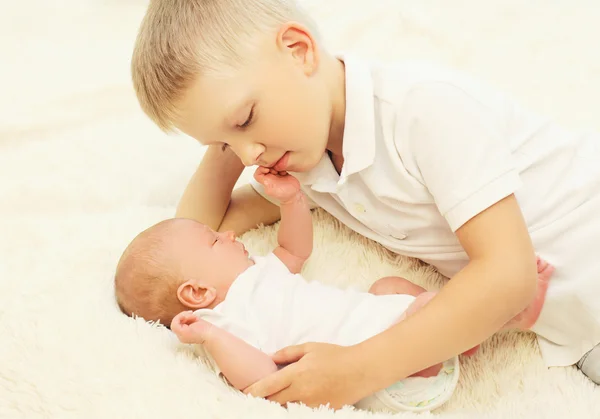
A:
190,318
184,318
260,173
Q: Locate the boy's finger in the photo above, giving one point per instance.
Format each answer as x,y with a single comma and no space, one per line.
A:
270,385
290,354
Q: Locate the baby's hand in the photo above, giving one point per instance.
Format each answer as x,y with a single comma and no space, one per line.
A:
278,185
191,329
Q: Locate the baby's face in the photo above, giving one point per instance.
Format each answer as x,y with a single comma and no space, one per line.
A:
215,258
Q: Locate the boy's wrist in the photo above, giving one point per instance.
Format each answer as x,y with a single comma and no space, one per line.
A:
376,372
366,367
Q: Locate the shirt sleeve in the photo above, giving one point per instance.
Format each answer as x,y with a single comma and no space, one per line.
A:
229,324
459,151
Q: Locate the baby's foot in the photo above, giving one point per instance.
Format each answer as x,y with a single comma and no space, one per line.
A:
429,372
527,318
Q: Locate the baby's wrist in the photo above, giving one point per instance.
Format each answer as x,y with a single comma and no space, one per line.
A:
294,199
205,331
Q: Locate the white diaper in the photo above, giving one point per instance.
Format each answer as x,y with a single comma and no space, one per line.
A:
415,394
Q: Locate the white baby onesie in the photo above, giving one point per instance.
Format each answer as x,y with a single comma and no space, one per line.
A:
270,308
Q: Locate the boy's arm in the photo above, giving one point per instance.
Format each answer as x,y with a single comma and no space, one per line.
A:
247,210
208,197
240,363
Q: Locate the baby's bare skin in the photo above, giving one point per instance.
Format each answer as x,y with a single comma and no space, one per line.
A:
285,187
523,321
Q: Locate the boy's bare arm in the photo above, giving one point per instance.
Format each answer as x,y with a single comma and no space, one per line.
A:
208,192
208,197
248,209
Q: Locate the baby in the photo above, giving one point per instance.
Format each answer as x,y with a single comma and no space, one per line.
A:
245,307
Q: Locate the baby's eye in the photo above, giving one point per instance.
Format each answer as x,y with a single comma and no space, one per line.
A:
224,147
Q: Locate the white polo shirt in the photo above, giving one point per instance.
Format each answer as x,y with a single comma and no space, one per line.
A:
426,149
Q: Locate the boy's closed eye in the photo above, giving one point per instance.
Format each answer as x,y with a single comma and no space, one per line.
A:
248,120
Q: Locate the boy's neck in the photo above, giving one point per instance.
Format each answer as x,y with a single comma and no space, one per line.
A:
336,79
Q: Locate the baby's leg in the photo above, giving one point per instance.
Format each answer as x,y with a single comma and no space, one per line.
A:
396,285
527,318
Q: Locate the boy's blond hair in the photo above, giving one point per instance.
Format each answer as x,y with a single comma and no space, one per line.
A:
181,39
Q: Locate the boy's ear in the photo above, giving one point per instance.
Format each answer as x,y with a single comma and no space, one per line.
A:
196,296
297,41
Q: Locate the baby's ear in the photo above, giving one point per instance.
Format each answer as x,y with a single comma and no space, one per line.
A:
196,296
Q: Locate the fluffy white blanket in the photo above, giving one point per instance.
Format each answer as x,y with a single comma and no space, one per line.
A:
82,171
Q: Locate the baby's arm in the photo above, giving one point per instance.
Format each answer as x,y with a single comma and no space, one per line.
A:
295,234
210,199
241,363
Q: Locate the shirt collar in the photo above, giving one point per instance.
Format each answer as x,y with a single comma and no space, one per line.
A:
359,125
358,146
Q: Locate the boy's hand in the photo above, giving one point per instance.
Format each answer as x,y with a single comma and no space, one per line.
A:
191,329
278,185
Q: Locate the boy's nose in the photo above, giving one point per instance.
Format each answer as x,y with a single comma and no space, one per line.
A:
249,153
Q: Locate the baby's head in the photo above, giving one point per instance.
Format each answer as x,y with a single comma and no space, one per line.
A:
177,265
248,75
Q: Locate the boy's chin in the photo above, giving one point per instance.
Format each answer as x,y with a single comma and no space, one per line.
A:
305,164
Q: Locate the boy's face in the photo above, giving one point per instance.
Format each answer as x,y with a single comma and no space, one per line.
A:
274,112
